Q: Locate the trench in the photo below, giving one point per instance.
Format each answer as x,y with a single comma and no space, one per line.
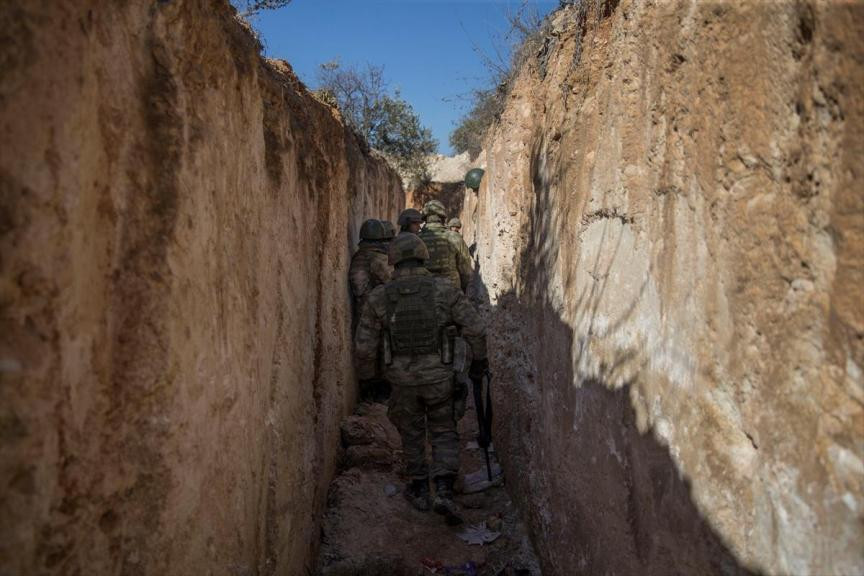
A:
668,244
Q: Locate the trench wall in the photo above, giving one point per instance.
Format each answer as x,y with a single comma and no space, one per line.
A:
177,220
670,234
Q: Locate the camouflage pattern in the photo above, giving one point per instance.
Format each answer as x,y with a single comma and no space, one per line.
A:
373,229
434,208
416,409
409,215
369,268
405,246
390,230
454,223
451,307
423,395
448,254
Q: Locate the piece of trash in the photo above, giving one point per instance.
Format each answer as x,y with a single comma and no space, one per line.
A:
479,480
391,490
479,534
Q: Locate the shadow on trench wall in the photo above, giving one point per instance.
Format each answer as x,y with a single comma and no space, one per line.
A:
599,496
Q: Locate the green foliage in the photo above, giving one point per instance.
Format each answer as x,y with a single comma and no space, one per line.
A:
523,39
387,122
486,108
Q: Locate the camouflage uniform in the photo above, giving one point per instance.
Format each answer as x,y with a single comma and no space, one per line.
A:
369,265
423,395
369,268
448,254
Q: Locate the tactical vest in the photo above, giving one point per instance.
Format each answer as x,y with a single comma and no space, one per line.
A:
442,257
411,311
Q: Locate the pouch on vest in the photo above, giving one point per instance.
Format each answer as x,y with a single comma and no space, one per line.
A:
448,335
461,356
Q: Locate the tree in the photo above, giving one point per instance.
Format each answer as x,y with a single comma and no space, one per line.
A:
387,122
522,40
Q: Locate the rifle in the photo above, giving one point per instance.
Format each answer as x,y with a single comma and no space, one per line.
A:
484,416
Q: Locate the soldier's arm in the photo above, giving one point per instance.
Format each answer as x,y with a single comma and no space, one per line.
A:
473,328
464,262
381,270
359,282
366,340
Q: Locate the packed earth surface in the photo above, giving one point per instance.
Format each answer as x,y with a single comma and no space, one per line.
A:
370,528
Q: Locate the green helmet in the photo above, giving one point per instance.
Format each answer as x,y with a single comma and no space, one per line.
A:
473,178
408,216
454,223
373,230
405,247
390,228
434,208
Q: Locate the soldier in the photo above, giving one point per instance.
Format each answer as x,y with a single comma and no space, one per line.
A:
390,230
448,254
411,314
455,225
369,266
410,220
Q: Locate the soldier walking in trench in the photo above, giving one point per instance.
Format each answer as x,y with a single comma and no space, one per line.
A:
411,315
448,254
410,220
455,225
369,268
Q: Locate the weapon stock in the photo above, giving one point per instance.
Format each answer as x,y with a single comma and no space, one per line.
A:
483,406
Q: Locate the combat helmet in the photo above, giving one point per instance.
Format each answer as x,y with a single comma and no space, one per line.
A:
434,208
390,228
374,230
455,223
408,216
406,247
473,178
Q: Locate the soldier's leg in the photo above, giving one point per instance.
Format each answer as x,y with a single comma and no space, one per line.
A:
443,435
441,419
408,415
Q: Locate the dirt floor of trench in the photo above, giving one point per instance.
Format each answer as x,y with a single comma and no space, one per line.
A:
370,529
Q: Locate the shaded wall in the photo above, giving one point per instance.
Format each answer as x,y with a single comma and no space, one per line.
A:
177,220
671,239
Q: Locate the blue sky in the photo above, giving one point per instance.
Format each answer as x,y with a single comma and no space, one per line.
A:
428,47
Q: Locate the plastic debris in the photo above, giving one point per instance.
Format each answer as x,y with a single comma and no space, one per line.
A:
391,490
478,481
479,534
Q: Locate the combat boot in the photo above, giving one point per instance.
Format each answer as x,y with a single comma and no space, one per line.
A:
443,503
417,493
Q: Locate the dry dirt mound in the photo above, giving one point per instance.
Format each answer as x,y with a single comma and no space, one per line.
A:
370,529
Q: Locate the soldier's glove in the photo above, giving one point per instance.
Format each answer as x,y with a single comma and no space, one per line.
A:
478,369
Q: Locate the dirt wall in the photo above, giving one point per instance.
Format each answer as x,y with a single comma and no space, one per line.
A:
177,220
671,239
